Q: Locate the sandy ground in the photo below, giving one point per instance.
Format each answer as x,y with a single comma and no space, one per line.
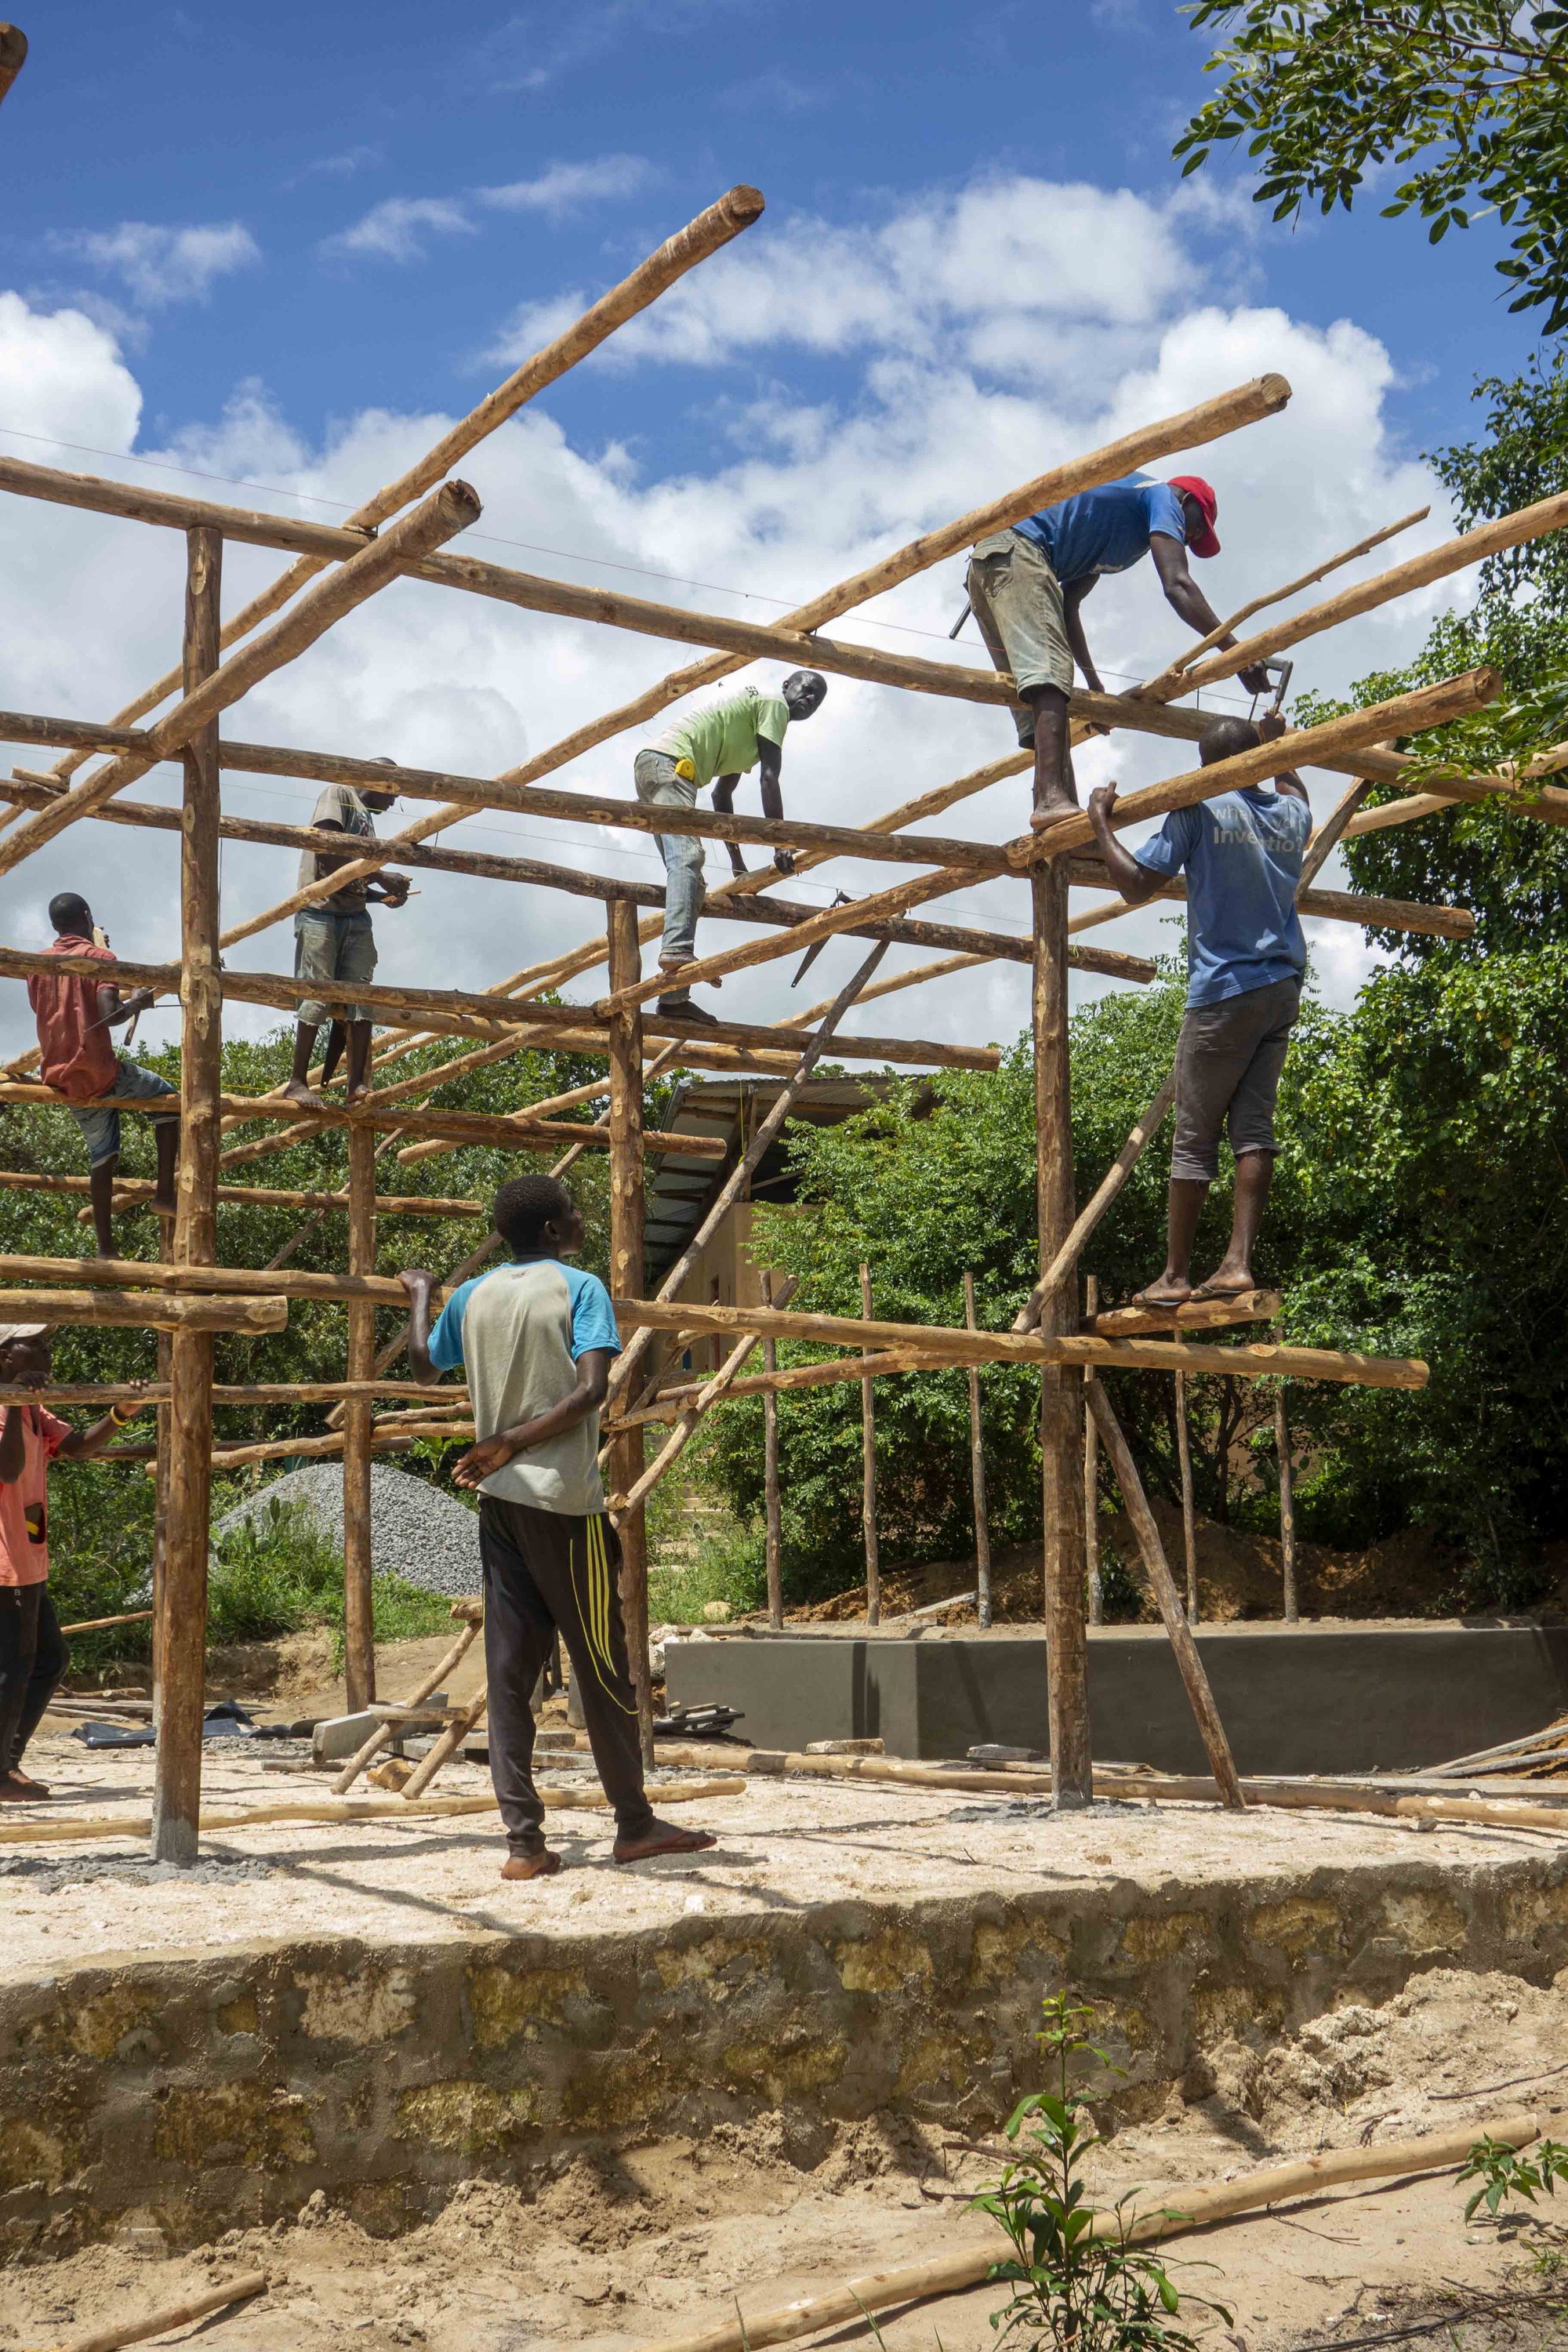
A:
666,2237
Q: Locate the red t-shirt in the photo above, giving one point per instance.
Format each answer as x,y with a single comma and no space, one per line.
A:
23,1511
78,1059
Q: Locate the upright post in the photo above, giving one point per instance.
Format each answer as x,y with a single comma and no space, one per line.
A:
359,1625
977,1472
180,1639
160,1473
868,1474
1094,1581
771,1476
1287,1507
1061,1390
1189,1510
626,1282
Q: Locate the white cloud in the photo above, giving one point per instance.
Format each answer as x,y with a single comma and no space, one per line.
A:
538,45
1019,277
396,229
169,265
804,492
563,187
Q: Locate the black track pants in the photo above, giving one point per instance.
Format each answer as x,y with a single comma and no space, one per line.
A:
33,1658
549,1572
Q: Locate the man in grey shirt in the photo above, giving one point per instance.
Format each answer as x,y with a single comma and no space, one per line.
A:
333,940
537,1338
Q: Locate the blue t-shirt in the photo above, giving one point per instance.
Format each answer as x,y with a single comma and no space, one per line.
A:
1107,529
519,1330
1242,852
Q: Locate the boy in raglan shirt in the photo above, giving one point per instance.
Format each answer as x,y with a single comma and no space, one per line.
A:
537,1338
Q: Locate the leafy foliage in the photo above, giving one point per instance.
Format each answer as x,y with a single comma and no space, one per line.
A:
1078,2285
1475,96
1507,2172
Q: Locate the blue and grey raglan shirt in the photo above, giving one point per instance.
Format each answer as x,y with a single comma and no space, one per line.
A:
519,1330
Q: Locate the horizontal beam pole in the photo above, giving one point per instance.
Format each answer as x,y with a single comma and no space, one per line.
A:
131,1193
154,1309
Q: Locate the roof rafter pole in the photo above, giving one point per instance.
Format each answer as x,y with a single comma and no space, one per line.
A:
710,230
447,511
768,1128
181,1636
688,1416
1265,396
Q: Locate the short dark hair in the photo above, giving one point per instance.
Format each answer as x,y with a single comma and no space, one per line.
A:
810,680
525,1205
69,912
1222,739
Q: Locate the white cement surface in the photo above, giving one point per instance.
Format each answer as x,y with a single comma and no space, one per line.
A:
781,1845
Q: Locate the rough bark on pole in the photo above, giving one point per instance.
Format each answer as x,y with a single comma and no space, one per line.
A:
181,1639
1189,1513
868,1475
626,1214
1287,1509
1094,1581
13,55
1061,1392
1188,1663
359,1632
771,1500
977,1473
165,1427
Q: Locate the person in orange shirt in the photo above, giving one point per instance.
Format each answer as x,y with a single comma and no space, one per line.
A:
77,1054
33,1654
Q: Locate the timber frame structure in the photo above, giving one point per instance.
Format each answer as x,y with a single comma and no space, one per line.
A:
187,1293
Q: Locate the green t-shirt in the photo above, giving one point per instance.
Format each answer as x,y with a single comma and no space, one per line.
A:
721,741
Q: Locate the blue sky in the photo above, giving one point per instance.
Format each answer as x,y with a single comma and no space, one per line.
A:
286,247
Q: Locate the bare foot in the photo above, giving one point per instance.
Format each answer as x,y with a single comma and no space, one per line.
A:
662,1837
1161,1292
297,1091
16,1788
543,1865
1050,812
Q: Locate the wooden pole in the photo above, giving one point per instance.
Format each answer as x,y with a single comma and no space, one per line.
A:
164,1432
868,1474
1063,1260
1287,1507
1189,1514
441,517
13,55
473,1616
626,1219
734,1186
1094,1581
181,1641
977,1471
121,2332
1061,1393
1189,1665
771,1500
359,1630
711,1392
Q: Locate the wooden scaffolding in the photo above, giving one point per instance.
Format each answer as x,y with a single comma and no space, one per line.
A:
402,532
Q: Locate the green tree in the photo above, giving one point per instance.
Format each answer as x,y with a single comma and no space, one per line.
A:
1474,97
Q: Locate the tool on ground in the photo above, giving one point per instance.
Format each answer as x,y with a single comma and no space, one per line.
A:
696,1722
841,899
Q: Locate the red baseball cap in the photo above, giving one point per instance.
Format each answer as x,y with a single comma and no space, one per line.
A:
1202,542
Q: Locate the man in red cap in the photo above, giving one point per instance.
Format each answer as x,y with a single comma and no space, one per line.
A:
1026,585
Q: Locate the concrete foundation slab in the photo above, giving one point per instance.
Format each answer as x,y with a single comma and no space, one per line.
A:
1392,1697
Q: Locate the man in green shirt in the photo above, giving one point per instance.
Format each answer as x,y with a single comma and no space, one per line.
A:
715,745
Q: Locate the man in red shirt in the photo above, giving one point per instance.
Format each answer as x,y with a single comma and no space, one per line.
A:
77,1054
33,1654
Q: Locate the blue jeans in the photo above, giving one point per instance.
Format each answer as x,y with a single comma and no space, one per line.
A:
684,887
101,1128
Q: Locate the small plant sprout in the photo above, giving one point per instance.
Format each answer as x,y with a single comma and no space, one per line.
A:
1506,2173
1080,2285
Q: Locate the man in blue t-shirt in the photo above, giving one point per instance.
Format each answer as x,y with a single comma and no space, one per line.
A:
1027,586
1242,853
538,1338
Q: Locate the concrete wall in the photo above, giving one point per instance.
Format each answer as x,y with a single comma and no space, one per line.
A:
195,2093
1308,1698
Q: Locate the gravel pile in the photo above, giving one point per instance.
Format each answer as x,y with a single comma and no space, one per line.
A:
416,1531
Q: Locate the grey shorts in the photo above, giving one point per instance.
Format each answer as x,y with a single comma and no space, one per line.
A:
1228,1060
1017,602
101,1128
333,947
